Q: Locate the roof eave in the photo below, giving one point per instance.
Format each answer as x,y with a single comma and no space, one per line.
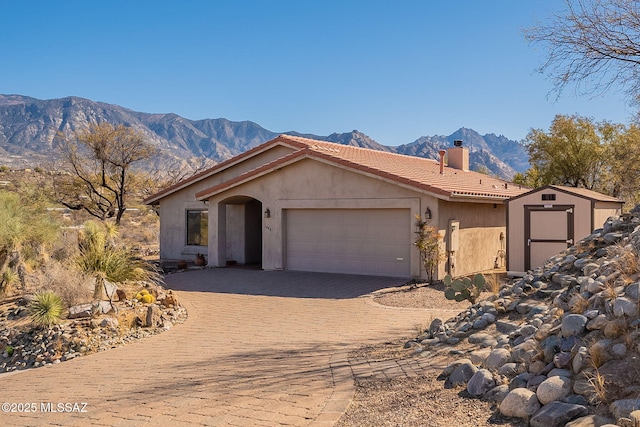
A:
495,198
279,140
252,174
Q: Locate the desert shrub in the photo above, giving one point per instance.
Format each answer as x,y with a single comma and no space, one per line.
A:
73,286
25,230
624,257
599,394
428,243
578,304
493,283
101,256
46,309
7,280
66,245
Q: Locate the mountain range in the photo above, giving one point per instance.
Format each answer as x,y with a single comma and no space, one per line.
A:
28,129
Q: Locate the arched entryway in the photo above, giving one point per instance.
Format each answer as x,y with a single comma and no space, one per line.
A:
243,230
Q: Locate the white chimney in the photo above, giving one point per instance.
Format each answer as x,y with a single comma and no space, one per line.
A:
458,156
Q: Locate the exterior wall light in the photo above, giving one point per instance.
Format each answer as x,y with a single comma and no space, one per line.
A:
427,214
267,213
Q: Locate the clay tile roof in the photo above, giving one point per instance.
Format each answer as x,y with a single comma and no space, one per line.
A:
411,171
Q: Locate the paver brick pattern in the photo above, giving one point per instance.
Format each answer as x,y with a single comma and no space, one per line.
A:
259,348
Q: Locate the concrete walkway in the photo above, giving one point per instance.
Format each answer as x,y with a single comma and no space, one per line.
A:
259,349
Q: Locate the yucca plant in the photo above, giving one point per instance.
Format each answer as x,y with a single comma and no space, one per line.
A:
46,309
101,257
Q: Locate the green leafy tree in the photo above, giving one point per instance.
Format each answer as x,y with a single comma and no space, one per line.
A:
624,172
531,178
574,152
100,161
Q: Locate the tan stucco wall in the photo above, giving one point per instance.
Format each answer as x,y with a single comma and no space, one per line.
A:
174,206
479,244
312,185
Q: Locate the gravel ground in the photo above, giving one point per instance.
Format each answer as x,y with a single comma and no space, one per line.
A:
420,297
418,401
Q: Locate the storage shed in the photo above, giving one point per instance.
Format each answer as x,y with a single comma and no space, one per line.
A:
543,222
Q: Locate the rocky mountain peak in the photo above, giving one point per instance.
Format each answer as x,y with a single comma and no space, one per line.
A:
29,126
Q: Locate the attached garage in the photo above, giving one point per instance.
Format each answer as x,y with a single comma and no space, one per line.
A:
543,222
356,241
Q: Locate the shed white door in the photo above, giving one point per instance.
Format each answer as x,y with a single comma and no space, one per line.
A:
357,241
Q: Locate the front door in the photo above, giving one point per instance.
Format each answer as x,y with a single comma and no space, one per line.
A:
548,231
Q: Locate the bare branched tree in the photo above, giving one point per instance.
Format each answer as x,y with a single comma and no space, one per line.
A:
594,44
99,161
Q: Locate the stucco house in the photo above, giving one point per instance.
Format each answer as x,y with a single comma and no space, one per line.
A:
301,204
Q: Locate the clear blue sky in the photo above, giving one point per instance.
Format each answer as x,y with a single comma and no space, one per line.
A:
395,70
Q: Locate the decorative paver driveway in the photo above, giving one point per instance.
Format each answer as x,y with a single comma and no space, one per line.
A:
259,348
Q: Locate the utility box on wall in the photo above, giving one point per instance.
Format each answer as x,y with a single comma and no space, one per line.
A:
543,222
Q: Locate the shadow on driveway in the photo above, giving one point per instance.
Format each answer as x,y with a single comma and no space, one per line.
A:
293,284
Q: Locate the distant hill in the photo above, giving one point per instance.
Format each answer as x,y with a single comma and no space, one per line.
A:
28,129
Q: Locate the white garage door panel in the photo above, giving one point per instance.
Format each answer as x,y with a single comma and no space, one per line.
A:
359,241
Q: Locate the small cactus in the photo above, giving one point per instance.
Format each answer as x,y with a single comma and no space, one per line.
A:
145,297
464,288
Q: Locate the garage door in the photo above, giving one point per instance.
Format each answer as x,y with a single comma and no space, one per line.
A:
358,241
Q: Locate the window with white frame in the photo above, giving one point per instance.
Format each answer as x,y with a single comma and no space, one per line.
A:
197,227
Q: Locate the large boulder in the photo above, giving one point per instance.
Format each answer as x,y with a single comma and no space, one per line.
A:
557,414
461,375
497,358
519,403
624,407
553,388
80,311
573,324
480,383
